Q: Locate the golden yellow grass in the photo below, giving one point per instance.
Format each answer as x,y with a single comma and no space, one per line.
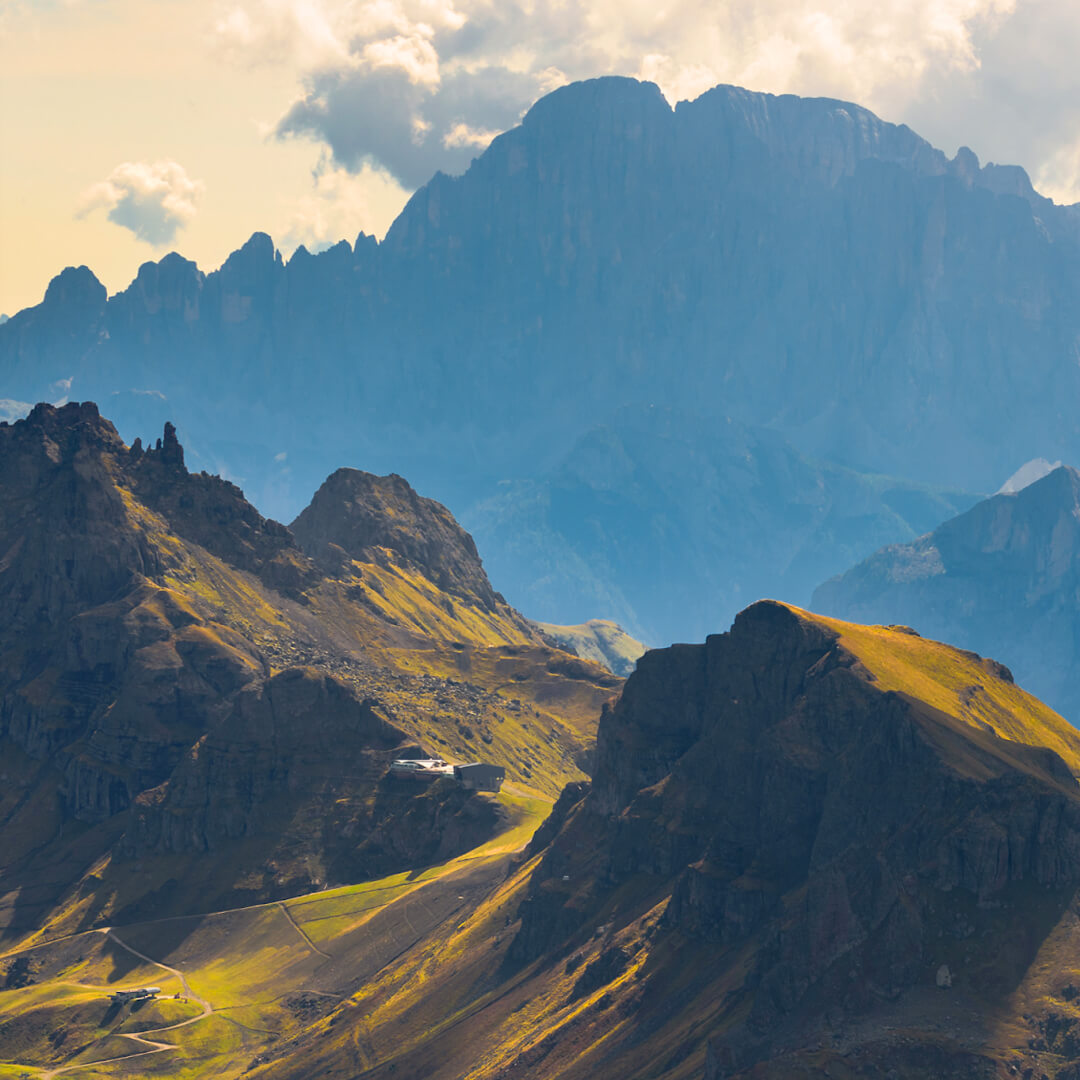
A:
246,963
955,682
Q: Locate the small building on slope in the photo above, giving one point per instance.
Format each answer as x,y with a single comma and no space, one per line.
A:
480,776
475,776
421,768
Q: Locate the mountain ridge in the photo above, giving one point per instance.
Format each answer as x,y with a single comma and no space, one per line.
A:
1000,576
795,265
805,841
177,677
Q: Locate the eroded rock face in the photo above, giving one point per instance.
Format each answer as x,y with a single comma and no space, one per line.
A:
797,811
151,656
299,732
356,513
102,665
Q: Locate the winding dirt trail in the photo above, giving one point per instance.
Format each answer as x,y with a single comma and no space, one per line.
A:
301,931
140,1039
391,929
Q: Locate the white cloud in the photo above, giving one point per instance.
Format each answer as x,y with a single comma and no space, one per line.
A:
142,393
341,204
1021,103
11,410
152,199
1058,176
417,85
297,32
461,135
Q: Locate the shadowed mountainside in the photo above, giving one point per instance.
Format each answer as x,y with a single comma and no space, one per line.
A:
193,712
810,848
1001,578
671,524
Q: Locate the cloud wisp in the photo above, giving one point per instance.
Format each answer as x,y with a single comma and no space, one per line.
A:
341,204
154,200
412,86
415,85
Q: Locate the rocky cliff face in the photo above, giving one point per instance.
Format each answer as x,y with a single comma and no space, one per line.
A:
1001,578
178,677
810,848
817,821
356,514
528,265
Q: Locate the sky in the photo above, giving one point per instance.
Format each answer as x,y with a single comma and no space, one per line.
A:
130,128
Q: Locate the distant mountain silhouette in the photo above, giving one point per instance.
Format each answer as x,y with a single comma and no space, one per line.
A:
794,264
1003,579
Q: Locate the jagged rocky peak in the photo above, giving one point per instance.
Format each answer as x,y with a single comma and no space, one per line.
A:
356,513
70,470
253,265
1028,474
167,449
67,426
170,285
63,530
614,100
214,513
77,288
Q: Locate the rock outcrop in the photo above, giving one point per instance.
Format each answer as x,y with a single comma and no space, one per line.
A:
818,801
357,514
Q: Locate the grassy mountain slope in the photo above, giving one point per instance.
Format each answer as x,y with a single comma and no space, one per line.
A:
198,714
247,977
797,833
666,925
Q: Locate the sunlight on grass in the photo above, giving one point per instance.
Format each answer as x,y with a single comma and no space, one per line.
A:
247,963
957,683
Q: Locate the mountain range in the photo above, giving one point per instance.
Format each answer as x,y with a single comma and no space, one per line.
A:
197,705
803,847
799,267
670,524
